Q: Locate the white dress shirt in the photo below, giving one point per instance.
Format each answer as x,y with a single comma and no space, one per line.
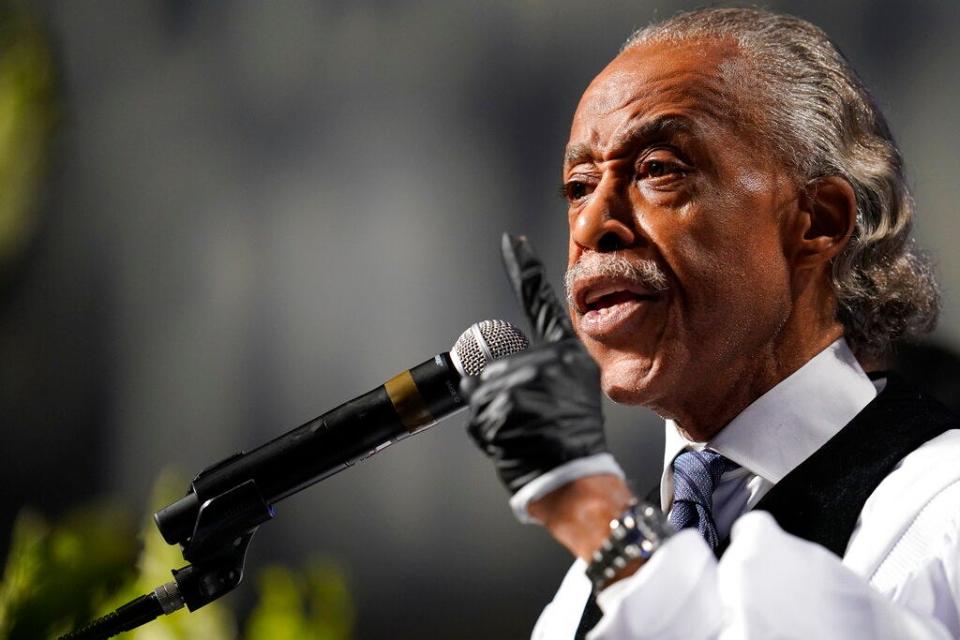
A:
899,576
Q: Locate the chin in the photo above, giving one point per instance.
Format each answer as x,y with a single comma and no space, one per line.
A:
629,380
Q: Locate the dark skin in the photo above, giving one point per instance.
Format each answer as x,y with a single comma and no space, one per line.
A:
659,167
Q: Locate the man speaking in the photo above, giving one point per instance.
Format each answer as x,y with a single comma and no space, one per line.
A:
739,256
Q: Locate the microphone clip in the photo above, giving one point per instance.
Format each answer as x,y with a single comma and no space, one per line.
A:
217,548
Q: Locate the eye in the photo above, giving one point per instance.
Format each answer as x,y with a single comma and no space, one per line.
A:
655,168
661,167
575,190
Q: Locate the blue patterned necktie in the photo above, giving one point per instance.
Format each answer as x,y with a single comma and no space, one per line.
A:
695,476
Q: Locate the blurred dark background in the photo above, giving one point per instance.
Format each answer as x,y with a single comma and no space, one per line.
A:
253,211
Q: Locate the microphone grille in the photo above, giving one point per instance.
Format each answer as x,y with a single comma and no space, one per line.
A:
486,341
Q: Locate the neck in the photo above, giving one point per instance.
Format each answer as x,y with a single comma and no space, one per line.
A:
809,329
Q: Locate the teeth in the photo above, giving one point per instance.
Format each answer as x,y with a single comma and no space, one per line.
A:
593,293
605,310
596,294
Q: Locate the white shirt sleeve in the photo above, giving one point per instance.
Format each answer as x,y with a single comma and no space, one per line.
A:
561,617
674,596
595,465
772,584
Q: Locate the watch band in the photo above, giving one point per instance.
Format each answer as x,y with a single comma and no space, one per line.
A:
635,535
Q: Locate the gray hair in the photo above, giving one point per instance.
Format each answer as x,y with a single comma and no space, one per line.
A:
817,117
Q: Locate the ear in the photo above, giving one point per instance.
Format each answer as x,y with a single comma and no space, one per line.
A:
825,222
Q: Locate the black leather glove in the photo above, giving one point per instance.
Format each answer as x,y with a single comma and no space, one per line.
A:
540,408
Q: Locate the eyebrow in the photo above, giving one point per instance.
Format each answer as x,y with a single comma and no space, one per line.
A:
654,129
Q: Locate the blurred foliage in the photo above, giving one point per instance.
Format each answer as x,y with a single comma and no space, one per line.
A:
56,576
313,606
59,577
28,115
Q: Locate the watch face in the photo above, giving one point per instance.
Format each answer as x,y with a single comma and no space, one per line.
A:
28,114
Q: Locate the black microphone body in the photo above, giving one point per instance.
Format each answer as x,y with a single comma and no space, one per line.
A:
406,404
226,503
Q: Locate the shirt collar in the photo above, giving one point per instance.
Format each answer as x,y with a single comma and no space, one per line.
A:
784,426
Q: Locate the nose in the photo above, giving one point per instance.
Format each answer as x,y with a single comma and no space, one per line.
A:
606,223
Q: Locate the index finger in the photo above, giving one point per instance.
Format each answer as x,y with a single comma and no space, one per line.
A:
548,318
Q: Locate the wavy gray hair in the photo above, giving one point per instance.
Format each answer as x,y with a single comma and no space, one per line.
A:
813,112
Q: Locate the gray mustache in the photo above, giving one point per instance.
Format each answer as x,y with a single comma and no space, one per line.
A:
645,273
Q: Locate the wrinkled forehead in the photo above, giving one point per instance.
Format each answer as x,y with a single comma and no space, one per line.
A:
699,79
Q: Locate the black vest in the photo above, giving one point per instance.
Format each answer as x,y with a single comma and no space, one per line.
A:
821,499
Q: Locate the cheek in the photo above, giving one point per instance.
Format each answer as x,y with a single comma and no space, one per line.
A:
731,275
757,299
573,251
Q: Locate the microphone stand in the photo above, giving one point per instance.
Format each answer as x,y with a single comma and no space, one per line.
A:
216,550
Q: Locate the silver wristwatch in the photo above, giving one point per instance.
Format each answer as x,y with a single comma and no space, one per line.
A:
635,535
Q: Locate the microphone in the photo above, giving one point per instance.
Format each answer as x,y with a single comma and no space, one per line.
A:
406,404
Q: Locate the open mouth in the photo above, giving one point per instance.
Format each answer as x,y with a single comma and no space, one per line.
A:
601,295
605,302
608,307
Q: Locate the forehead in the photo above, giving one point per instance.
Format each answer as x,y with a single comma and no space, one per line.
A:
688,80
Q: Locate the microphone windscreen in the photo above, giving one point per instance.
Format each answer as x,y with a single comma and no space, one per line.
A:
486,341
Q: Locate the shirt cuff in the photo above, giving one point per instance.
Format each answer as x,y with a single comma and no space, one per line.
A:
673,596
595,465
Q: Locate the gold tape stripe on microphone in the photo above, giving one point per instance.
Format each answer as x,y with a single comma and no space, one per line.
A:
406,399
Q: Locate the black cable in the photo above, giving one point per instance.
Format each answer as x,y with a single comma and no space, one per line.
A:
129,616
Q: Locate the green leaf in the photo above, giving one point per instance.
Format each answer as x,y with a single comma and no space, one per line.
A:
61,576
